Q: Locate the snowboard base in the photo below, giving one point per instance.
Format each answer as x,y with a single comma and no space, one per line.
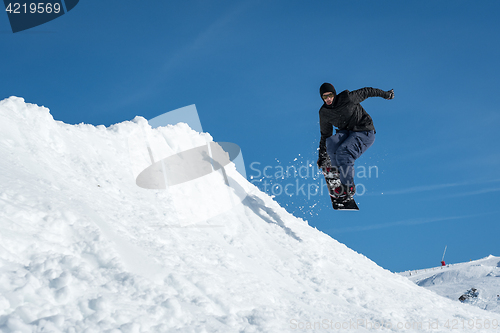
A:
349,204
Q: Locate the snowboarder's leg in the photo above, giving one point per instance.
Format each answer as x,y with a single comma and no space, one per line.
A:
333,143
332,176
349,151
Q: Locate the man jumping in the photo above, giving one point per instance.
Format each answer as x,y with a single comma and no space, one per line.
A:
355,133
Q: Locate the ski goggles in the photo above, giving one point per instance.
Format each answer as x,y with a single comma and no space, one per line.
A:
330,95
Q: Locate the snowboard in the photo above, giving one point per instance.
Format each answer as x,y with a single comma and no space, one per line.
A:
338,204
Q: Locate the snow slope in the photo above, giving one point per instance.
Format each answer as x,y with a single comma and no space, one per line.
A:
453,281
84,249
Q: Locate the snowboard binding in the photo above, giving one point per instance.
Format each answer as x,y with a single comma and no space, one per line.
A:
341,195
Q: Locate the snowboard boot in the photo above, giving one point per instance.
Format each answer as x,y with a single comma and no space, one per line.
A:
332,177
344,192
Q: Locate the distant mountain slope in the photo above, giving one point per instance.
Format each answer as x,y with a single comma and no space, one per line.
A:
455,280
84,249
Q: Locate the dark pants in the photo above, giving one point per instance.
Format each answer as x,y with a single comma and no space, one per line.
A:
344,148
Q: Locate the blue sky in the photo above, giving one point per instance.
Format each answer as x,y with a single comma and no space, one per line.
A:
253,69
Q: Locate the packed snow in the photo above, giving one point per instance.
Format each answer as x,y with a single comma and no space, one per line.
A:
454,281
84,249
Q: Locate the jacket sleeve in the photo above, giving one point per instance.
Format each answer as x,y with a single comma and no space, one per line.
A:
358,96
326,131
322,146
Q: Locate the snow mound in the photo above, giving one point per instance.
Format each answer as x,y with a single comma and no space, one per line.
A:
453,281
84,249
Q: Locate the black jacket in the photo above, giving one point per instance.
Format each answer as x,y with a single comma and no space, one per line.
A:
346,113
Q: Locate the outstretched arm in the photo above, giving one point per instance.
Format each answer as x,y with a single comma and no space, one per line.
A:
358,96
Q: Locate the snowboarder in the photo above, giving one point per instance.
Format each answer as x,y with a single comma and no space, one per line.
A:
355,133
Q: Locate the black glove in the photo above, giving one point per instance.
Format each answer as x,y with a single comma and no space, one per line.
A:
322,159
391,94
